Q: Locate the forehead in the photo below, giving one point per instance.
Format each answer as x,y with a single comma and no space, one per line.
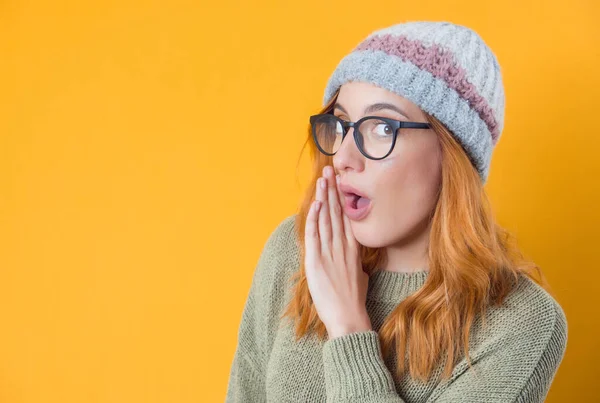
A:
356,96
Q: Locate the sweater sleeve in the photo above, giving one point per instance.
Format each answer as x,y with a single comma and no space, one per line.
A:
355,371
519,368
260,317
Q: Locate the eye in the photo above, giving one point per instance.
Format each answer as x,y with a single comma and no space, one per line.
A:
339,130
383,129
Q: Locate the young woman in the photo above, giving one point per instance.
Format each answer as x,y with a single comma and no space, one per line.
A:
395,251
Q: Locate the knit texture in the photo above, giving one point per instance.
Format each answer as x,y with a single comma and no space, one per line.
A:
446,69
515,357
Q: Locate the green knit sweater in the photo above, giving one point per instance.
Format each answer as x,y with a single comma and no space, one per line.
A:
515,357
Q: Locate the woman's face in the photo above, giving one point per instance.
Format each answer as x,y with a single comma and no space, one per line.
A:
402,187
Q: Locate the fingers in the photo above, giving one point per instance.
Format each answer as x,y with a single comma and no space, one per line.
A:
324,220
346,231
311,233
345,221
335,210
349,235
332,228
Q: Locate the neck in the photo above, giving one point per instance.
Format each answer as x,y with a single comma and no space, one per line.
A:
410,254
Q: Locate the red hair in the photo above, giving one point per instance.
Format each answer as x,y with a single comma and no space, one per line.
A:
473,263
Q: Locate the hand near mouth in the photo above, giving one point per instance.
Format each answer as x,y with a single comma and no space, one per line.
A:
336,280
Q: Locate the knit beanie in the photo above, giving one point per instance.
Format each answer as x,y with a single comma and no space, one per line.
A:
444,68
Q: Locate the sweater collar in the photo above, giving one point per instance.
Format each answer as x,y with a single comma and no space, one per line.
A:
394,286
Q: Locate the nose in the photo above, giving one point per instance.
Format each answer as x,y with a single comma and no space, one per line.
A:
348,156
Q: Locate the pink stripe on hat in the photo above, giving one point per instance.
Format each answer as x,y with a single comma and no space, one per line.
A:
440,63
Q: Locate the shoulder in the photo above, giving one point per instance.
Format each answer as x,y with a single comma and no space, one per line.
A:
283,237
520,344
542,333
282,245
532,309
529,327
279,258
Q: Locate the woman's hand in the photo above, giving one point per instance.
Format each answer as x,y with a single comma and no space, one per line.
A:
336,280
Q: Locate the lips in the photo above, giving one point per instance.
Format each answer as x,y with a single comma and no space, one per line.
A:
352,196
350,191
357,204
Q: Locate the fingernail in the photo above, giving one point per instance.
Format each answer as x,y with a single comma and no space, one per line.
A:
323,183
337,178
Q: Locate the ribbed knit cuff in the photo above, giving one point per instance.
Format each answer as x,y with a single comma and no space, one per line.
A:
354,367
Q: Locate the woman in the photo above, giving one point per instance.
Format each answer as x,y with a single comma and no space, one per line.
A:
395,251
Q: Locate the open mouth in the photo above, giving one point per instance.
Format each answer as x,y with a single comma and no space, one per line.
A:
356,207
358,202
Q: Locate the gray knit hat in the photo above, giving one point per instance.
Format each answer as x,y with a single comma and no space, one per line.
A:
444,68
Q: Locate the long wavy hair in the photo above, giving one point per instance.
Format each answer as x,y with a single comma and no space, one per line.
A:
473,263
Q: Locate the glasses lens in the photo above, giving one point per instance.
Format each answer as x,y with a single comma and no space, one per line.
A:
375,137
328,133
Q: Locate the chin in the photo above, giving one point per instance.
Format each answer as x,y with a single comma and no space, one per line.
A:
365,235
371,244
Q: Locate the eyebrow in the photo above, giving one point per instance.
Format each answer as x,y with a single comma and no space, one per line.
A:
375,108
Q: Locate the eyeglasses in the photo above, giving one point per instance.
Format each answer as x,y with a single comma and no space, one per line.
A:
375,136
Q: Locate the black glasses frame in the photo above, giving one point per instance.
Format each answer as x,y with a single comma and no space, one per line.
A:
395,124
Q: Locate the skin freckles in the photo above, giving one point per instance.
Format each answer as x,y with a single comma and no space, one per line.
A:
403,186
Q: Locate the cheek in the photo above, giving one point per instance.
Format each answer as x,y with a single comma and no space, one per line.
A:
410,184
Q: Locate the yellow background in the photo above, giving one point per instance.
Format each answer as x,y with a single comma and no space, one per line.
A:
148,149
